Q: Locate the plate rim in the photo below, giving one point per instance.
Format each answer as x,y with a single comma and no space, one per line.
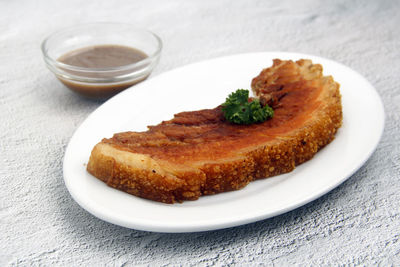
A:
197,228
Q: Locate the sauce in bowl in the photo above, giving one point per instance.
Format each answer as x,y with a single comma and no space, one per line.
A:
99,58
103,56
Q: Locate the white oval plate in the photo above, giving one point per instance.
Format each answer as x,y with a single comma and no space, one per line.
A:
206,85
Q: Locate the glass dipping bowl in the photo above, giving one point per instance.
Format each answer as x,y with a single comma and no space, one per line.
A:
101,83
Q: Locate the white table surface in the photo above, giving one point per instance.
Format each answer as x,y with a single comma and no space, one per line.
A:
40,224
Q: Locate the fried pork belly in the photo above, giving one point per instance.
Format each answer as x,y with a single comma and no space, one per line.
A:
200,153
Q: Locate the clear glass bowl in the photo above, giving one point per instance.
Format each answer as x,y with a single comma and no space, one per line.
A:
101,83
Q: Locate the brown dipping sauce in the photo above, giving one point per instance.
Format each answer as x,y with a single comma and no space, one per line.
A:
101,56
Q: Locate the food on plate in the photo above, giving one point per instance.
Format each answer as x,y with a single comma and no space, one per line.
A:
203,153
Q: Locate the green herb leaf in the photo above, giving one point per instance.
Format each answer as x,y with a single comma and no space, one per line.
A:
239,110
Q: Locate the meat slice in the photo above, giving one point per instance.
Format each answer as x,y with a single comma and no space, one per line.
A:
200,153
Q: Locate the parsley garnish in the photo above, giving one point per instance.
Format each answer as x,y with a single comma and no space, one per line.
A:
239,110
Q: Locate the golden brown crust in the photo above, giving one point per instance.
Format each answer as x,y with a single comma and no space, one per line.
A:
151,176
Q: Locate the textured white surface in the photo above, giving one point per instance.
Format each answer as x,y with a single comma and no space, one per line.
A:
357,223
